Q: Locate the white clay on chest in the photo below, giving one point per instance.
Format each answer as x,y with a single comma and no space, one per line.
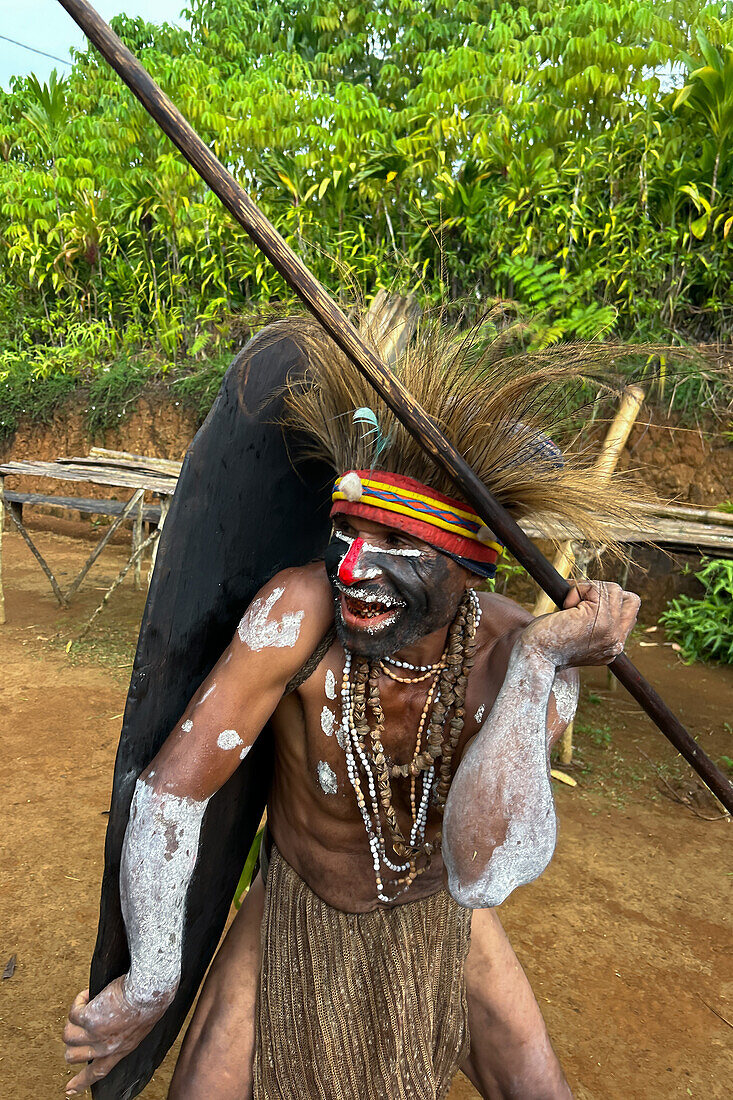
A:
330,685
328,721
480,712
327,778
187,726
258,631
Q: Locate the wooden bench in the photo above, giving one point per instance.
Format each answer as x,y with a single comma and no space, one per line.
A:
16,502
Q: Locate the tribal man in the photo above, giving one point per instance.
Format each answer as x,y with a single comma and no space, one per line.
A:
412,717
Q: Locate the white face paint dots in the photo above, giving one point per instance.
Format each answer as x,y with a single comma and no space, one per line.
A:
392,552
187,726
257,631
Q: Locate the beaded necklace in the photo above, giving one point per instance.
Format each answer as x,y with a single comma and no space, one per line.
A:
406,664
367,767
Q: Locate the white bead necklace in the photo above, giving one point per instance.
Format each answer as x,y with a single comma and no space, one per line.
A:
372,821
353,749
412,668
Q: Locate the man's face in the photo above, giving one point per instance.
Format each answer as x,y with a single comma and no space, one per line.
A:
390,589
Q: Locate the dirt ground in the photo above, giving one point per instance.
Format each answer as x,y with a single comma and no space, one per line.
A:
626,938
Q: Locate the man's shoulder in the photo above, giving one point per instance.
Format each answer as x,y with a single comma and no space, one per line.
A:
303,593
283,624
500,616
307,585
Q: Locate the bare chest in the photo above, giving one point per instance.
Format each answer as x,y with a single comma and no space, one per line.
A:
396,720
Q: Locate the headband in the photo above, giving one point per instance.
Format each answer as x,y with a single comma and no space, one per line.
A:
449,525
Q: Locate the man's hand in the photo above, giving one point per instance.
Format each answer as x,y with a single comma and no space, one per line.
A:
592,628
104,1030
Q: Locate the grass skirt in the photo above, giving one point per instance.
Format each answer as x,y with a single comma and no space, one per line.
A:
358,1006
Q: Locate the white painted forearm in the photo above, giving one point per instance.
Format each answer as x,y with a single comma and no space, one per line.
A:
500,827
158,858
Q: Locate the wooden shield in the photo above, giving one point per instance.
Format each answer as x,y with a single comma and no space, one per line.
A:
239,515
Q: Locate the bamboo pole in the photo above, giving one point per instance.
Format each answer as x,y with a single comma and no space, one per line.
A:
697,515
165,503
613,445
137,538
403,405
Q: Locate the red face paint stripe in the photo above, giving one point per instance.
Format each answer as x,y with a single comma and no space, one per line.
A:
349,560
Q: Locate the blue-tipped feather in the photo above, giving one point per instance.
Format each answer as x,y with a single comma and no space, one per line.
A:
365,415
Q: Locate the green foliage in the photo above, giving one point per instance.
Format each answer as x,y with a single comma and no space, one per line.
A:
572,157
26,390
114,389
198,387
507,570
704,627
245,879
599,735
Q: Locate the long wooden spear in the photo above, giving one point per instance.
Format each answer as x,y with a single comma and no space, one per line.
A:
405,408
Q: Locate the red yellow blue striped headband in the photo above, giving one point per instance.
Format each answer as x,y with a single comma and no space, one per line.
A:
401,502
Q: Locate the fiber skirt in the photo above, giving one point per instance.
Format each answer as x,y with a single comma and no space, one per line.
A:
359,1006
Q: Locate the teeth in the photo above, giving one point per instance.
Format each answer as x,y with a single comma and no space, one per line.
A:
366,612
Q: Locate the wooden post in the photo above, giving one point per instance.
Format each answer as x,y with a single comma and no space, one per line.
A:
165,503
2,524
423,429
613,445
606,463
138,495
34,549
137,538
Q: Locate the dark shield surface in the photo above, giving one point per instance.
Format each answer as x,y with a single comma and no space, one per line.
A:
239,515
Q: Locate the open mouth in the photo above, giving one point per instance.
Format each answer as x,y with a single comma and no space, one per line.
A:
364,610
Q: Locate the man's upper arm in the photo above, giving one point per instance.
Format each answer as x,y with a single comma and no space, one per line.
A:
277,634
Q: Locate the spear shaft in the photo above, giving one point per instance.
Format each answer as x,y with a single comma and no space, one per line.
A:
403,405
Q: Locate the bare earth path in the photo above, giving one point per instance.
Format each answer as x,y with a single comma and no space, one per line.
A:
627,937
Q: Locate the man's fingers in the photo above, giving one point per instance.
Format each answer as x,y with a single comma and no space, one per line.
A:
572,599
81,1053
76,1012
73,1035
95,1071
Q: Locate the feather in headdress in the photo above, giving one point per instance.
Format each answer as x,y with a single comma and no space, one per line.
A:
500,407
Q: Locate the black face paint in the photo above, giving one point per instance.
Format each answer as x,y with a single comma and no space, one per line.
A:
413,595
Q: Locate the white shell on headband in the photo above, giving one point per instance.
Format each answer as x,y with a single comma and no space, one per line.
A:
350,485
485,534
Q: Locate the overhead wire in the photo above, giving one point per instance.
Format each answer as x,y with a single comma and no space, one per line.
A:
34,50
